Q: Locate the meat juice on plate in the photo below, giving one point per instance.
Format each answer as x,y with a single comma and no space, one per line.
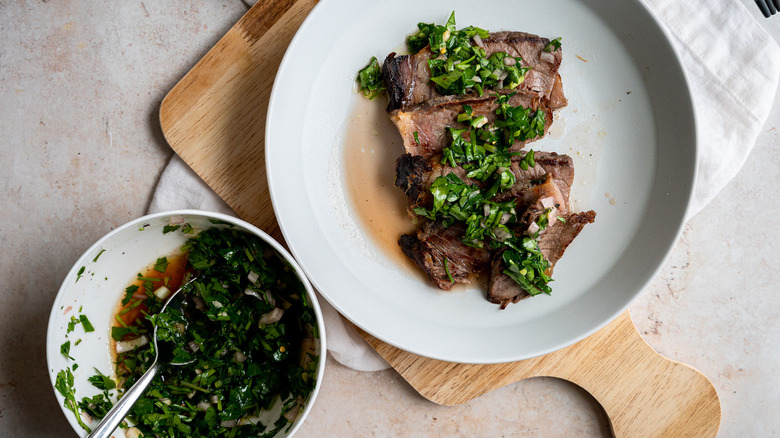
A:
371,146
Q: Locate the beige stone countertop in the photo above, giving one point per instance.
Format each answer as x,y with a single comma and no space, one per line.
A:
81,151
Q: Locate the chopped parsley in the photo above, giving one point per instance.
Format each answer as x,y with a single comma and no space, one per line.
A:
72,324
370,79
161,265
483,151
64,385
244,359
553,45
129,291
458,63
65,350
80,273
447,270
170,228
85,324
98,255
101,381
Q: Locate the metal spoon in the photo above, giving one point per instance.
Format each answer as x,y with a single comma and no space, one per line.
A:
118,413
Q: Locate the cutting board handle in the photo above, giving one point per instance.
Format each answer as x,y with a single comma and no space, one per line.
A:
643,393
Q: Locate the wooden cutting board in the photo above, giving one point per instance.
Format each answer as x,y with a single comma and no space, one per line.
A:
215,120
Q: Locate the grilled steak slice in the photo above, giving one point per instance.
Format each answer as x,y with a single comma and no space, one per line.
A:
431,119
414,175
501,288
557,99
407,77
553,241
433,244
544,65
559,167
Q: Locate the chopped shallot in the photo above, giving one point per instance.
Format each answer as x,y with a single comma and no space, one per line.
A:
228,424
478,41
501,234
239,356
132,344
133,432
162,292
272,316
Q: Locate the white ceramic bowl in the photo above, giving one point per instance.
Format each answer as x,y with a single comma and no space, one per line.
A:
95,284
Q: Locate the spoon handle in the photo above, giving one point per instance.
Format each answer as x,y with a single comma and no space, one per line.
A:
118,413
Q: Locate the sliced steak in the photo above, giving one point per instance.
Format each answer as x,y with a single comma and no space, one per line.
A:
433,243
557,99
501,288
431,119
560,167
407,77
414,175
542,77
553,241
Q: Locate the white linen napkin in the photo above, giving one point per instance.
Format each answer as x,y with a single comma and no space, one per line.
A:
733,67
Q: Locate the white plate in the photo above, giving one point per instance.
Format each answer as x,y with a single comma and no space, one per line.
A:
629,127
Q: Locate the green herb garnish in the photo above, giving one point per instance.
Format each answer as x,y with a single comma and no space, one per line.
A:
370,79
80,273
458,64
98,255
447,270
129,291
161,264
72,324
170,228
86,324
101,381
64,385
553,45
65,350
484,152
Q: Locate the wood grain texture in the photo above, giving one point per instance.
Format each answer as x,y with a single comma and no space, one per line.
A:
643,393
214,118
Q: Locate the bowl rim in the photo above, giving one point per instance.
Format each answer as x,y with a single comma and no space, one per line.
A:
52,346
